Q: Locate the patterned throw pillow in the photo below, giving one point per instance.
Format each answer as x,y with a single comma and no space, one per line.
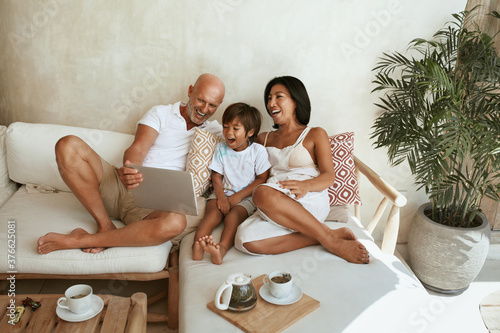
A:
199,157
345,189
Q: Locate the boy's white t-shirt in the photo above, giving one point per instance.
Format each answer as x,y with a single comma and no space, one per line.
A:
171,147
239,168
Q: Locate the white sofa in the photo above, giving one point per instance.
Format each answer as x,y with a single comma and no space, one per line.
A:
353,298
43,203
383,296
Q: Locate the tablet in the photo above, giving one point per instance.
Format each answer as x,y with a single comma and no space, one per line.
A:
167,190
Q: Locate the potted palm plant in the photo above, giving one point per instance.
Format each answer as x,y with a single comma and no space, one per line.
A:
440,113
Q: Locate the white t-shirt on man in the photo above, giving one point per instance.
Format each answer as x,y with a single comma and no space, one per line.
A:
239,168
171,147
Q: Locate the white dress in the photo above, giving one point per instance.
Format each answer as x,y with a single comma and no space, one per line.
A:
292,162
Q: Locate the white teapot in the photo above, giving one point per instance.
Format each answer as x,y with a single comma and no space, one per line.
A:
237,292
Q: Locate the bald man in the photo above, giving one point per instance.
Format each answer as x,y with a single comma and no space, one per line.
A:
162,139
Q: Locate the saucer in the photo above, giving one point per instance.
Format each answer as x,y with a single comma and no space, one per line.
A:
95,308
295,296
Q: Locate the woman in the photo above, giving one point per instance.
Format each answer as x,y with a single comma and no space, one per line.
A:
293,204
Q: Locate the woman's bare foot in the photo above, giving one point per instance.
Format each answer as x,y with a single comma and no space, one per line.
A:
217,251
343,243
54,241
198,246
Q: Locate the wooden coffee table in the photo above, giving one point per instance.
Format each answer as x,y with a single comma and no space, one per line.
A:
120,314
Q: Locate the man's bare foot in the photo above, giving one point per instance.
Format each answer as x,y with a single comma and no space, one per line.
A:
217,251
54,241
198,248
343,243
99,249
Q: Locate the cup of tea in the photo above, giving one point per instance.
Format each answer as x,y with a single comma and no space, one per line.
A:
279,283
77,299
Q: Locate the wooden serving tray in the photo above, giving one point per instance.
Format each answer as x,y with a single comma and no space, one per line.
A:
267,317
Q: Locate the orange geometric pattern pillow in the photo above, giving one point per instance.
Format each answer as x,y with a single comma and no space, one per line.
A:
199,157
345,189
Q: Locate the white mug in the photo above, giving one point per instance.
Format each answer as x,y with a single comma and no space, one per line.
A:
78,298
279,283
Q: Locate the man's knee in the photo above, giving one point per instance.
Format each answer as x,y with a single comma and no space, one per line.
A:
173,224
67,147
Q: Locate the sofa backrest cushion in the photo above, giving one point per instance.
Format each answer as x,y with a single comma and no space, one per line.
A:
31,156
4,174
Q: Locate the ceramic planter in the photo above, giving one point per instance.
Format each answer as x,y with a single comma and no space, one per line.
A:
446,259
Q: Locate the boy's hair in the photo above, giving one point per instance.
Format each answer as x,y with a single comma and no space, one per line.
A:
249,117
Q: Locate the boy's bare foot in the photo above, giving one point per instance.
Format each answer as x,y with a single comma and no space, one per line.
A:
198,249
343,243
217,252
54,241
198,246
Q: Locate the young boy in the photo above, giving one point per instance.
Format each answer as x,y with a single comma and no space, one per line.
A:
238,167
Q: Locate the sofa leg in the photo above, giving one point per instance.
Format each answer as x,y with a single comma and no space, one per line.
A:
173,291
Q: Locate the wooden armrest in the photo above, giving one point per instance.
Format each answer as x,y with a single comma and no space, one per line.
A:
381,185
390,194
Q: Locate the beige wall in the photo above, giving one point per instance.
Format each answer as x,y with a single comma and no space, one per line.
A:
102,64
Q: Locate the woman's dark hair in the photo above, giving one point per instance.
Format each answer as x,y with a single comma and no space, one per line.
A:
249,117
298,93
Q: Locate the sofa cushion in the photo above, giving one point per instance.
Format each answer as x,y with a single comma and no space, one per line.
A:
345,189
62,212
338,213
31,156
7,187
373,297
4,173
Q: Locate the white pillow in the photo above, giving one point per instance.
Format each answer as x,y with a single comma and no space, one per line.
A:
4,172
31,157
338,213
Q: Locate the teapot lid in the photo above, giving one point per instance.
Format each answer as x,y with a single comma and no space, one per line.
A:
239,279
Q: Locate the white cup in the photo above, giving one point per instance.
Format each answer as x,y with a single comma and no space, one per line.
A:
78,299
279,283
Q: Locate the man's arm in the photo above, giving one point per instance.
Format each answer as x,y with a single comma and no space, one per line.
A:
145,136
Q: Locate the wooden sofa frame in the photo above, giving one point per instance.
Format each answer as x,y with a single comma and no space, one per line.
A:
389,195
171,271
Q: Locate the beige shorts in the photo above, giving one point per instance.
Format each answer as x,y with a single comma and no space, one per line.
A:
246,203
117,199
